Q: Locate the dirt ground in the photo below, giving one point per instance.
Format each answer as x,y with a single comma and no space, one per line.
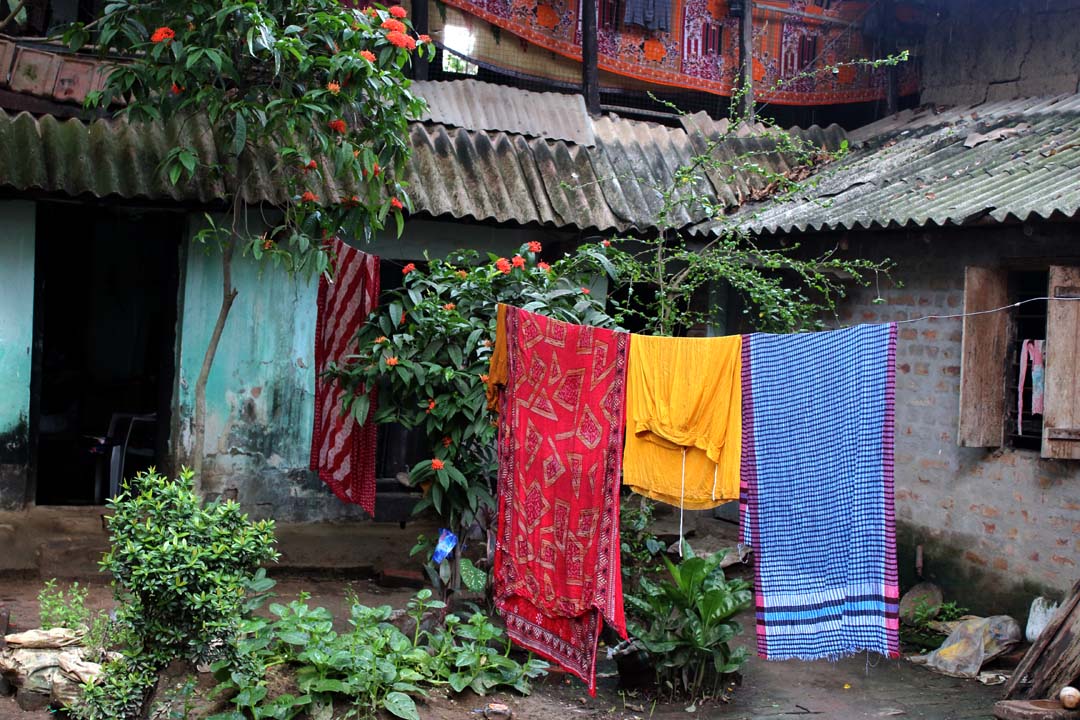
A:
855,688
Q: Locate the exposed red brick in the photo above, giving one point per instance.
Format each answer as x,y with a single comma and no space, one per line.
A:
951,370
989,528
929,334
928,464
1062,560
1070,505
1001,564
1012,533
869,316
973,557
955,336
1034,557
953,301
904,368
909,334
922,369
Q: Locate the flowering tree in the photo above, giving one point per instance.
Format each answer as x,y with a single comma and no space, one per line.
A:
429,346
308,90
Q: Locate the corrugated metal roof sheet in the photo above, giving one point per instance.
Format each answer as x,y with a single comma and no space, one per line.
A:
617,184
915,169
476,105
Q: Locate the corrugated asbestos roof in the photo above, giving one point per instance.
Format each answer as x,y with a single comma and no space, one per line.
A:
1014,159
484,167
476,105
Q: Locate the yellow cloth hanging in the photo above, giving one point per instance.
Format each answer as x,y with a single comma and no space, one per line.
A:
684,419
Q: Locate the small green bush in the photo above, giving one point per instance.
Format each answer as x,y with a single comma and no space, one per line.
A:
60,609
684,624
181,574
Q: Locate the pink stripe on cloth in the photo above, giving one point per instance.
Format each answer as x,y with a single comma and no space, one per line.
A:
342,451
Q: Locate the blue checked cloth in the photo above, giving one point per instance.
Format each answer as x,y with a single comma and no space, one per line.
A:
817,491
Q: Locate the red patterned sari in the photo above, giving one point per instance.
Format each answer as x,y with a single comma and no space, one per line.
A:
562,413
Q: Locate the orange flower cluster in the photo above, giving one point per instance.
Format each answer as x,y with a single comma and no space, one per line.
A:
163,34
437,464
401,40
333,87
338,126
449,306
392,361
408,268
368,55
535,246
462,274
176,89
308,197
312,165
396,204
543,266
503,266
424,39
392,25
518,261
380,340
398,11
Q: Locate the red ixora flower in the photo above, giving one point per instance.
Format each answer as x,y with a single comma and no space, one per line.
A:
398,11
543,266
503,266
391,361
424,39
607,243
518,261
463,274
408,268
368,55
163,34
483,378
401,40
308,197
430,404
449,306
333,87
396,204
586,290
312,165
447,442
338,126
176,89
380,340
437,464
392,25
535,246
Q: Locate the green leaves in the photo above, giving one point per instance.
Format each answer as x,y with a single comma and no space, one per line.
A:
685,623
372,667
401,705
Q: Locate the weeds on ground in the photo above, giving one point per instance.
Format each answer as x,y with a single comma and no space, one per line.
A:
372,667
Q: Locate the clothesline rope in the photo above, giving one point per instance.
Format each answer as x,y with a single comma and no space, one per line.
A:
985,312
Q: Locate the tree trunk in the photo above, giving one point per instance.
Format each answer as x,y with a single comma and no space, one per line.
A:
228,296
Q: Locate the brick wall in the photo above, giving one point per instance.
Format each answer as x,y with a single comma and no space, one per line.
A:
996,526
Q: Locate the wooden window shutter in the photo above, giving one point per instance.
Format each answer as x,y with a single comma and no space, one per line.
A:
1061,400
982,368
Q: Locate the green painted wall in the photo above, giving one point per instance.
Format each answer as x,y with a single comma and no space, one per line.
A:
16,341
260,401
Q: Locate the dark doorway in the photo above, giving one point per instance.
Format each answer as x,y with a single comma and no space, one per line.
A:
105,326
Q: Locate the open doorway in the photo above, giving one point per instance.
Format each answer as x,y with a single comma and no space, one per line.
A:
104,324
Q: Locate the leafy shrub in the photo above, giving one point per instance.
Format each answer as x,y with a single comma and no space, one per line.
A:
429,346
60,609
374,666
684,624
181,573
